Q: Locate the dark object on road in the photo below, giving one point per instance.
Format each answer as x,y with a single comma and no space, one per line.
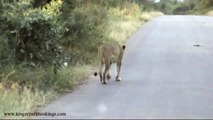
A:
197,45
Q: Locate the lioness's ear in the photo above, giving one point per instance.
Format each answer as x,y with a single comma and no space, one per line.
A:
123,47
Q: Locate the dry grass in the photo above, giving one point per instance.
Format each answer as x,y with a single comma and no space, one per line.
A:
28,100
12,101
121,29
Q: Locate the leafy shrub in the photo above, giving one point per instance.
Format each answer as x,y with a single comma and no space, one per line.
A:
85,30
32,34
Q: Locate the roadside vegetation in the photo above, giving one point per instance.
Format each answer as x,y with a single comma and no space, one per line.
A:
185,7
47,47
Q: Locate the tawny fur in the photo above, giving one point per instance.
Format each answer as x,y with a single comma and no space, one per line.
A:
110,52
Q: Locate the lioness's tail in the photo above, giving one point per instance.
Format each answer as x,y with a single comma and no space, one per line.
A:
95,74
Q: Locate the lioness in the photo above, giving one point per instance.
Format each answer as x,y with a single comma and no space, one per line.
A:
111,52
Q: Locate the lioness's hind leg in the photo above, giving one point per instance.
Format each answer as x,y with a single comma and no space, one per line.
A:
100,72
107,67
117,78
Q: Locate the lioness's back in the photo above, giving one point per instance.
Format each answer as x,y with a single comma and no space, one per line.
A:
110,48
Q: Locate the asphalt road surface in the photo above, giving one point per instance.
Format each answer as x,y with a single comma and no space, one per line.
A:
167,72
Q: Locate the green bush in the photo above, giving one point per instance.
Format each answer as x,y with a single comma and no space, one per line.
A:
85,30
31,35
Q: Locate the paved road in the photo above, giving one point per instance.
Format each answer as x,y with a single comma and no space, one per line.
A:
164,75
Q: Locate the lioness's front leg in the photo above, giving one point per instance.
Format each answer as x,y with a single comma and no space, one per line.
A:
108,74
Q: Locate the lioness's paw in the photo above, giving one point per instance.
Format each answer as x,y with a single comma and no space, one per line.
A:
118,79
108,76
104,82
